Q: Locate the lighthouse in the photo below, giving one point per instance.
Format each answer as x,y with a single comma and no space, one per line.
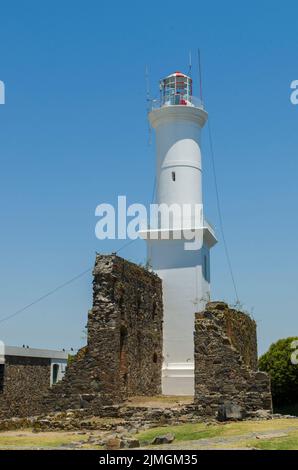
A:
178,118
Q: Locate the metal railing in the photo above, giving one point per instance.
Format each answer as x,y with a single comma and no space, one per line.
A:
175,100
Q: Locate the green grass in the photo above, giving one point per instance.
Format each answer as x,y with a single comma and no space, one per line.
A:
183,432
38,440
289,442
190,432
245,427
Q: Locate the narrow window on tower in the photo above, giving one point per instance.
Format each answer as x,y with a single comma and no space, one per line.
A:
173,176
206,276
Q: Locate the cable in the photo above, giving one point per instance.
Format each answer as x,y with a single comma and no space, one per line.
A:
219,211
61,286
125,245
45,295
153,191
189,64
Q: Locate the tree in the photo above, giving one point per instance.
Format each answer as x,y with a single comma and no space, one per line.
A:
280,362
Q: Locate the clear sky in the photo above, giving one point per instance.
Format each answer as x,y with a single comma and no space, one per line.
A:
74,134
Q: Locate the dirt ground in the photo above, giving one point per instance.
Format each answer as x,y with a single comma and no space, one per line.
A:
163,401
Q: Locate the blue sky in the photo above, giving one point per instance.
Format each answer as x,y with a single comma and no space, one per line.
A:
73,134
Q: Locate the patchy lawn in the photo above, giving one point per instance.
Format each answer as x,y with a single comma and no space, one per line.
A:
239,434
289,442
182,432
272,435
28,439
244,427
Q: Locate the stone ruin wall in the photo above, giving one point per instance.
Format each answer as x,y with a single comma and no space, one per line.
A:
25,380
123,356
227,382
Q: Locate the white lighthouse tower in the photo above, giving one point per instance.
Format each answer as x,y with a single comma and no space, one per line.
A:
178,118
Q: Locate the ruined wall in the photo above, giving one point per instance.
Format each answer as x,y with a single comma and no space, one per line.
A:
123,356
25,380
241,330
227,383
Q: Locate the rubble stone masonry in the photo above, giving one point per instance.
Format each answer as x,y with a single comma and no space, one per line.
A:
123,356
227,382
24,380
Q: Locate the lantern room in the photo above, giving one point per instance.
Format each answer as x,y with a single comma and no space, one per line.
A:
176,89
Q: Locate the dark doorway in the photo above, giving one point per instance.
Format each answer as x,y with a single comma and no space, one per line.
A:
55,373
123,359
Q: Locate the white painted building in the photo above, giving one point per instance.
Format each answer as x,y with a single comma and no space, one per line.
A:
178,119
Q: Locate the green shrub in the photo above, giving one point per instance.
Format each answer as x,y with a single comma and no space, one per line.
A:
284,375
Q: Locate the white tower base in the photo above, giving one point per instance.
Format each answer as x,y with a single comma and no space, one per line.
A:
178,379
186,283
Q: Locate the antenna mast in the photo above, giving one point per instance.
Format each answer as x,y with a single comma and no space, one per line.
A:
200,75
189,62
148,99
147,85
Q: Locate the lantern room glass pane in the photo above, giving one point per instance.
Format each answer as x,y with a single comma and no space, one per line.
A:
176,90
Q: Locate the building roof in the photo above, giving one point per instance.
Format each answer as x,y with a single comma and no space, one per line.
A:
34,352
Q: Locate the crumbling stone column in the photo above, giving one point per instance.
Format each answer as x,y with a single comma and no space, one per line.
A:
227,382
123,356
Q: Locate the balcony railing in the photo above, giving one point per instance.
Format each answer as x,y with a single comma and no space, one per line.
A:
175,100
